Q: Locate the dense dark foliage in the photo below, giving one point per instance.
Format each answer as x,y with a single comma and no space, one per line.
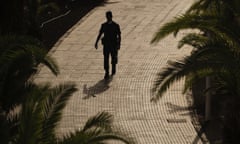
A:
30,112
216,49
53,30
33,18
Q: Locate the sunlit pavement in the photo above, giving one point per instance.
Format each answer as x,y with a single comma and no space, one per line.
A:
127,95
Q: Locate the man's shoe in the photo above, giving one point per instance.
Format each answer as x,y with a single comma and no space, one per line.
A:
106,76
113,73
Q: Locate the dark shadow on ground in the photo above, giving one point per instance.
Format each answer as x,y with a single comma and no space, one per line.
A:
98,88
173,108
111,2
210,132
52,31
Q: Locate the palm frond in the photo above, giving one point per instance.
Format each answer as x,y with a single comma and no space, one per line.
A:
189,81
110,136
215,44
96,131
53,105
200,41
30,126
228,83
205,5
193,39
203,22
39,55
13,117
51,63
197,6
17,48
77,137
186,21
167,77
203,61
174,73
103,120
41,112
195,77
95,136
19,58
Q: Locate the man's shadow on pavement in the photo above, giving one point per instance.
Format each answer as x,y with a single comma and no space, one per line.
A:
98,88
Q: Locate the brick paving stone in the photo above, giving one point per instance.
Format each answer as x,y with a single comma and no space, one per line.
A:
127,95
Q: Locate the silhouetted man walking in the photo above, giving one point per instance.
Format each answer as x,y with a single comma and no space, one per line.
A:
111,43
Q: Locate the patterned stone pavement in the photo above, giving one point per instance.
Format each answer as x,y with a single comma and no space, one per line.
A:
127,95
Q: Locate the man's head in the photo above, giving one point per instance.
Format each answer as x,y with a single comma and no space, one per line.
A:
109,15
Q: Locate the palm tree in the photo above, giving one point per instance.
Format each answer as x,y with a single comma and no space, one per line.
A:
223,39
19,59
215,53
36,119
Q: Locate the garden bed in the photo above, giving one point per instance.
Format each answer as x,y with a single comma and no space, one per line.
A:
53,28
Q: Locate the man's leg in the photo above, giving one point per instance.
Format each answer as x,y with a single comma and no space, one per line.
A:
106,63
114,56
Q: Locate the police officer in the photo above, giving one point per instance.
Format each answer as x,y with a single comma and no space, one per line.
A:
111,43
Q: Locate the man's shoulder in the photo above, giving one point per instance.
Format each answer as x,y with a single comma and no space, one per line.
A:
104,24
115,23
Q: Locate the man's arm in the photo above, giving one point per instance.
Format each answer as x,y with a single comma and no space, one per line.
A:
119,37
98,37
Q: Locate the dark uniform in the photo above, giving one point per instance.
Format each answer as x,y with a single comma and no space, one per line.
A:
111,44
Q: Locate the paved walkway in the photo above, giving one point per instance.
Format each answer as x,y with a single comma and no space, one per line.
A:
127,95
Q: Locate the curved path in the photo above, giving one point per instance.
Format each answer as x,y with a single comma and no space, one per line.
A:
127,95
